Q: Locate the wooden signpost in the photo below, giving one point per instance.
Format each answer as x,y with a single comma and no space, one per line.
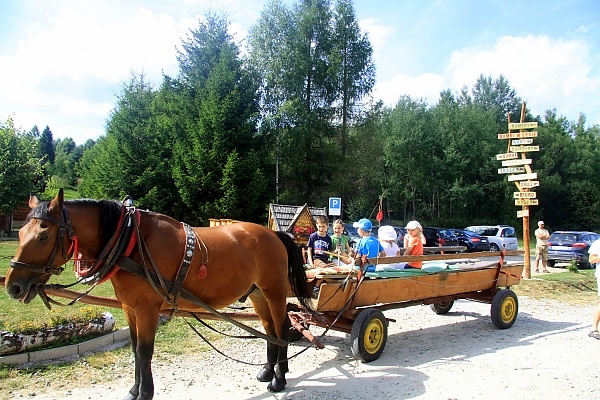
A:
516,163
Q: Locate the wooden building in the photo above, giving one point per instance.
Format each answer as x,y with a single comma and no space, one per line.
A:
299,221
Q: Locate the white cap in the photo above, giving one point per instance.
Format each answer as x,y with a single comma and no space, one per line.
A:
414,225
386,232
540,223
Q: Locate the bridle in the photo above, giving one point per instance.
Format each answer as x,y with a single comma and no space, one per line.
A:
65,230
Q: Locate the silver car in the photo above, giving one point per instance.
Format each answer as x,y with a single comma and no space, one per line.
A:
500,236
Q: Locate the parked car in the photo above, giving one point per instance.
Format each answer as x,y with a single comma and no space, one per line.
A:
471,240
564,246
499,236
400,232
435,237
352,233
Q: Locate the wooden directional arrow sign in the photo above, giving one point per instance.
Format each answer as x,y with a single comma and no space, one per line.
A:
519,161
517,135
522,177
524,195
506,156
523,149
527,202
521,141
529,184
522,125
511,170
522,213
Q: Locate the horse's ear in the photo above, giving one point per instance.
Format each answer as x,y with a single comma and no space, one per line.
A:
57,203
33,201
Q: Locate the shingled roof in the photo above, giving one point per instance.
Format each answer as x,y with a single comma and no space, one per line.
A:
285,217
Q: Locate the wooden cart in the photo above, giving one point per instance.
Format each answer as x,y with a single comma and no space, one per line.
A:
355,305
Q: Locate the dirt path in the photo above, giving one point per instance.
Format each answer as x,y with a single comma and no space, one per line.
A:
545,355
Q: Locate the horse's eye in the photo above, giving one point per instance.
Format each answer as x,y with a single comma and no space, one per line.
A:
44,238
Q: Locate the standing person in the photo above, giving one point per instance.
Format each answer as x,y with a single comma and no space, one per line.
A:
594,254
318,243
414,240
368,245
387,236
541,247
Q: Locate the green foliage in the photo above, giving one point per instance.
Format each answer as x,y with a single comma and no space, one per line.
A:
572,267
57,318
217,156
20,166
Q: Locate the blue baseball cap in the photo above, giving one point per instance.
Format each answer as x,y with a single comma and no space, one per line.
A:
363,224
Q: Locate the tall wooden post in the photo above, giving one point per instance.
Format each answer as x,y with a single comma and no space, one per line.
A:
526,245
521,174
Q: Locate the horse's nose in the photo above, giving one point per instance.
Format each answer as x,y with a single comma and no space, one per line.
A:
15,291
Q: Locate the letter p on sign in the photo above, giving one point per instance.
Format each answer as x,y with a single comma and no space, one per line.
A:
335,206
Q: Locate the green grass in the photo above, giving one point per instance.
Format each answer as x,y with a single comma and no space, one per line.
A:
568,287
13,313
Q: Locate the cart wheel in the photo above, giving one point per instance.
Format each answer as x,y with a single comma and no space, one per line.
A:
295,334
369,335
505,308
443,307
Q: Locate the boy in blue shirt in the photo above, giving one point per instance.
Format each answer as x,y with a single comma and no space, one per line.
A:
368,245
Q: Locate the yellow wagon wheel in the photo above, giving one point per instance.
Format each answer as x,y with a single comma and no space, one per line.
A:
505,308
369,335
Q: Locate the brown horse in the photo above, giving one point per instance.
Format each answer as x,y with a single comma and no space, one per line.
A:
167,268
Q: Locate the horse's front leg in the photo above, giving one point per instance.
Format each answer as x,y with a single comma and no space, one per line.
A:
142,325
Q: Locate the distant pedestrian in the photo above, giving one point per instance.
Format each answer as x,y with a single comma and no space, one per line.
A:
541,247
594,258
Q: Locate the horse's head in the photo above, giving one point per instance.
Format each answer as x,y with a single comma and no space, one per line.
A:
44,246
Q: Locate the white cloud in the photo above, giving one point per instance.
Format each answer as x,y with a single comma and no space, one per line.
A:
426,86
545,72
86,47
378,35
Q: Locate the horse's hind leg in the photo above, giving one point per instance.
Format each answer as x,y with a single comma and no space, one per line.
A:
273,316
142,325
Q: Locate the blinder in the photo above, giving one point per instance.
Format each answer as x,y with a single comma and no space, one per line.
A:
65,228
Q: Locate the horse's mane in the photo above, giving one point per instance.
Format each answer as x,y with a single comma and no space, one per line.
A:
110,211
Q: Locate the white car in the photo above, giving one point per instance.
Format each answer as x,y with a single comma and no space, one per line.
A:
500,236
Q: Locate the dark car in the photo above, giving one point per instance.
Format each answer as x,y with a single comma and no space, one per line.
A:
471,240
400,232
436,237
564,246
352,233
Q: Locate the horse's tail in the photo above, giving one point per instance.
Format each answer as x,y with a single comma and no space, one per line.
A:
296,273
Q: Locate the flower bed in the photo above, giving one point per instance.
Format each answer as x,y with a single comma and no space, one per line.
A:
18,342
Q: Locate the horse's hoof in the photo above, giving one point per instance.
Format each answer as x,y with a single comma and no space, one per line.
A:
276,385
265,375
130,397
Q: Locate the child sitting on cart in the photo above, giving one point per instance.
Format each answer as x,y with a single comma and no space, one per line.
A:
341,244
368,245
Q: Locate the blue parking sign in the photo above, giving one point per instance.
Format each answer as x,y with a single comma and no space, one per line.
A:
335,206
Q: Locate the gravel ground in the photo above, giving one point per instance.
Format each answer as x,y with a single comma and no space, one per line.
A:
461,355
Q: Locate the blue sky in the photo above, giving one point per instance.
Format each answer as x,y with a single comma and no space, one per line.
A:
63,62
